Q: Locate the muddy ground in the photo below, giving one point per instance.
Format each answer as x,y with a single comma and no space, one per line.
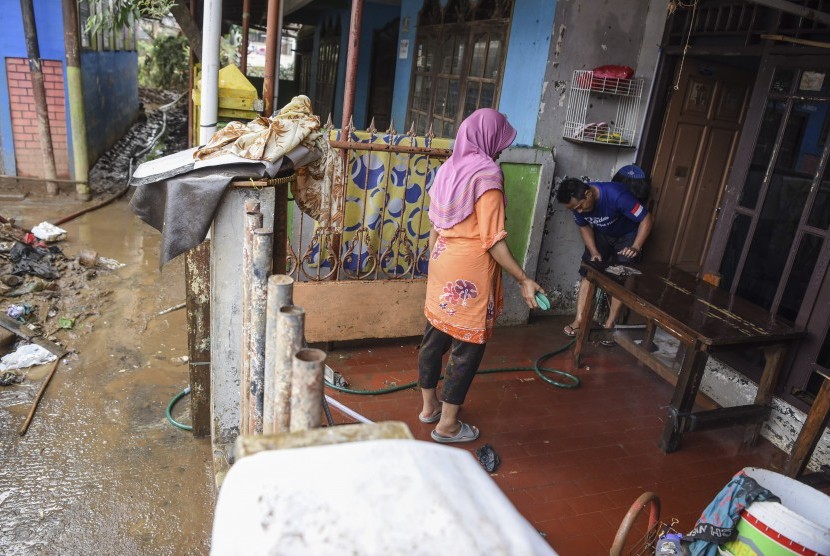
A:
100,470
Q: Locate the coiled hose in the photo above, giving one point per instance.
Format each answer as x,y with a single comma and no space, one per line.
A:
570,381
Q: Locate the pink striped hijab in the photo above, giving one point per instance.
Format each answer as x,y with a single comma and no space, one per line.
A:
471,170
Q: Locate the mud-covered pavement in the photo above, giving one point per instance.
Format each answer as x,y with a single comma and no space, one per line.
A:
100,470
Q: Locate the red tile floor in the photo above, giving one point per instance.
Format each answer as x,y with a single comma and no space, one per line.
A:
572,461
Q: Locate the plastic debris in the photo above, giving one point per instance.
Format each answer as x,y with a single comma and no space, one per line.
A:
18,312
10,377
48,232
26,355
110,264
488,458
34,260
66,322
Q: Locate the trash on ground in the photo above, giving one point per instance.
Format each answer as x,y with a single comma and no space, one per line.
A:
180,360
11,280
18,312
488,458
48,232
110,264
32,285
37,261
171,309
88,257
27,355
66,322
8,378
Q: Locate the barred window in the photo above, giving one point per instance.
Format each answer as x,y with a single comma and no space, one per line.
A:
459,61
327,65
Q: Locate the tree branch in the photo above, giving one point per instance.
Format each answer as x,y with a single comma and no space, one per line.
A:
188,25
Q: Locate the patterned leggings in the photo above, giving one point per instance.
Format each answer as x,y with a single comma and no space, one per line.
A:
461,368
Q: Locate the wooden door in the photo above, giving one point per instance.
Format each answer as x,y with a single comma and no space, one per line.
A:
699,138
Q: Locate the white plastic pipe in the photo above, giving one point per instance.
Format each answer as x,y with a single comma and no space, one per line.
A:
209,109
348,411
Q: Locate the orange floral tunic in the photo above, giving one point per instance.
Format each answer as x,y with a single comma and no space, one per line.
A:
464,290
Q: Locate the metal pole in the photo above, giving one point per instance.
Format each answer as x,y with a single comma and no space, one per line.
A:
351,62
271,56
80,157
246,22
209,108
259,294
280,293
39,93
253,221
307,389
277,60
190,78
290,329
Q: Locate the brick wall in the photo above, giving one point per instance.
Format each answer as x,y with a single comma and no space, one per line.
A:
27,152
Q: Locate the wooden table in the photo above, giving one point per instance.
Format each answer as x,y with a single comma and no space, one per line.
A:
817,420
705,320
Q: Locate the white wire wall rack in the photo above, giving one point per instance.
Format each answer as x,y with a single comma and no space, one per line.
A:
591,98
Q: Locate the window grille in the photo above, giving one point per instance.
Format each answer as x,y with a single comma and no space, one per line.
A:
459,60
328,61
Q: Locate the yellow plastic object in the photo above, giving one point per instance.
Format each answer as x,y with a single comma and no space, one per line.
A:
238,98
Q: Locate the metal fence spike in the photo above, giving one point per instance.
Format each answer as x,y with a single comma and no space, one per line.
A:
391,130
411,131
430,132
372,129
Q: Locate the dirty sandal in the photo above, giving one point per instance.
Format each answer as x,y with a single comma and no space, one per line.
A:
434,418
571,331
466,434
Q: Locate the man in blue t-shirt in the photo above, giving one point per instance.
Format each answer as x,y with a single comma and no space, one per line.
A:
613,223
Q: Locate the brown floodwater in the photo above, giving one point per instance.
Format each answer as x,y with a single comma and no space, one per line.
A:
100,470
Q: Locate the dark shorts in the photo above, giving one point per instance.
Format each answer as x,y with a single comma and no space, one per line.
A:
609,247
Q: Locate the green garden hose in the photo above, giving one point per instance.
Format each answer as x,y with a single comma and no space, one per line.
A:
172,403
571,380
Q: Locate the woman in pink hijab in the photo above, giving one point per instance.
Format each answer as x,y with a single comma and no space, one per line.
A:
468,253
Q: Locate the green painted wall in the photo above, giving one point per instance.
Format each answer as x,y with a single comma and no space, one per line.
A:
521,183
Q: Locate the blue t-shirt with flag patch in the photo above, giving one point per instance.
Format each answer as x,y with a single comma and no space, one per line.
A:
616,212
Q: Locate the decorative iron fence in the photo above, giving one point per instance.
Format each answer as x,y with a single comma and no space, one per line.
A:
378,227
